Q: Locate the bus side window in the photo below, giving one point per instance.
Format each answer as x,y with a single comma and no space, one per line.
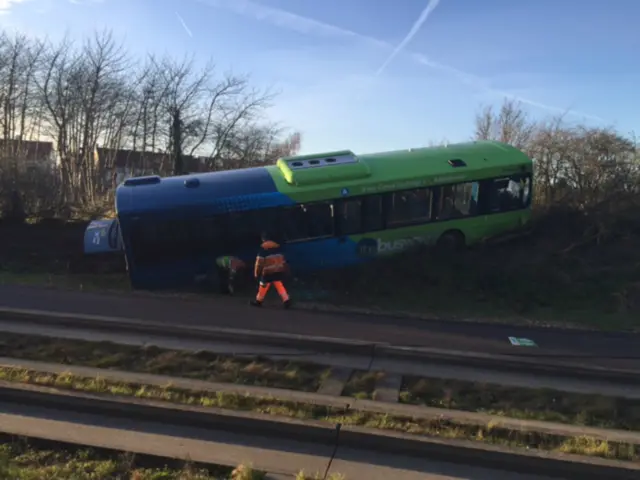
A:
293,223
372,213
465,201
457,201
446,204
268,220
241,231
348,216
320,219
506,194
207,235
409,207
143,243
308,221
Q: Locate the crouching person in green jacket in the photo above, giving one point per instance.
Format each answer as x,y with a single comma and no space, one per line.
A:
230,273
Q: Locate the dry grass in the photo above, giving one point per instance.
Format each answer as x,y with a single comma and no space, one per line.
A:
82,282
435,427
201,365
362,384
319,476
20,461
524,403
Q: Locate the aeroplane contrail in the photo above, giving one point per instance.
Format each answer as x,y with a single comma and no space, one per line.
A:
431,6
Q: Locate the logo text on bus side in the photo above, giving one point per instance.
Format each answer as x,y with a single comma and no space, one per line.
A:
370,246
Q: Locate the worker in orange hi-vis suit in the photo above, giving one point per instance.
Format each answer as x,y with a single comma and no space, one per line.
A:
270,268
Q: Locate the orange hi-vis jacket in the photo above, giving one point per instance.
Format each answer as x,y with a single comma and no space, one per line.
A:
271,264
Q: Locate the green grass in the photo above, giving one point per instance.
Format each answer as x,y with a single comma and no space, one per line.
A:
524,403
434,427
319,476
515,402
20,461
362,384
83,282
301,376
552,277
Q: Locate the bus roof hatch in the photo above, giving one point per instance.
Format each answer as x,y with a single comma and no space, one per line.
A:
322,168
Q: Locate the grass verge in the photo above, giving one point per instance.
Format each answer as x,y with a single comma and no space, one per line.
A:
508,401
435,427
319,476
362,384
27,459
82,282
202,365
524,403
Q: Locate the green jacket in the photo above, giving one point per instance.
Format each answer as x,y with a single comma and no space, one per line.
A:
233,264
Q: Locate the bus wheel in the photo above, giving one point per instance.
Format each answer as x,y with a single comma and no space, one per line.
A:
451,241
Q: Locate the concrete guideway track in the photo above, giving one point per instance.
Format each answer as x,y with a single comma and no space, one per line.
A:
280,459
605,349
560,377
274,444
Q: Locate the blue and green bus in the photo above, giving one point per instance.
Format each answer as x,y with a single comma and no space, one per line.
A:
328,210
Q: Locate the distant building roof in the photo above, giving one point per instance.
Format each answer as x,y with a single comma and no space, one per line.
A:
30,149
124,158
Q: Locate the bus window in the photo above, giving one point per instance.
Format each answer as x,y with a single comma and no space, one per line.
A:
268,220
144,244
320,218
458,201
349,216
409,206
308,221
177,235
207,235
372,213
241,231
465,202
508,194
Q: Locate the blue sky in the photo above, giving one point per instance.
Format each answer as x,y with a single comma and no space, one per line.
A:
325,58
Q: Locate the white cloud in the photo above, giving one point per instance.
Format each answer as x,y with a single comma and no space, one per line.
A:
308,26
6,5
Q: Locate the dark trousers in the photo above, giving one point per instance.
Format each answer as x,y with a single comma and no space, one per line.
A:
228,280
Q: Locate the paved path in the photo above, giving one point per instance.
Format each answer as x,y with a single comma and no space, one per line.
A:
609,349
281,458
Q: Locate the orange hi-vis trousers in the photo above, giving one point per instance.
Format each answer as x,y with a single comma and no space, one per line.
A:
264,288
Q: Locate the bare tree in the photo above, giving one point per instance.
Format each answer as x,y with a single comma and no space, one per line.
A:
510,125
203,110
92,95
575,165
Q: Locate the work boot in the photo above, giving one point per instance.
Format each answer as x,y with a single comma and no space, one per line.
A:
287,303
255,303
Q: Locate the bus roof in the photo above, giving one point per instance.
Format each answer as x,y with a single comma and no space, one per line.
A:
318,176
478,156
480,159
146,194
